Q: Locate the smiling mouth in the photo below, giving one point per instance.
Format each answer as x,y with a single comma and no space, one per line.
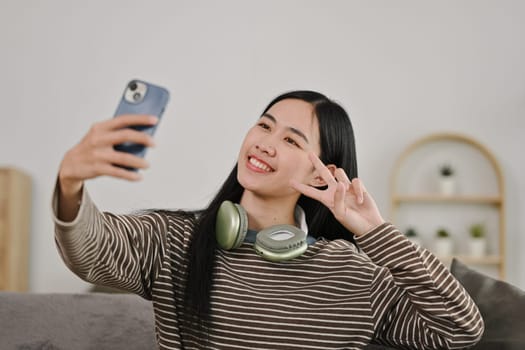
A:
260,165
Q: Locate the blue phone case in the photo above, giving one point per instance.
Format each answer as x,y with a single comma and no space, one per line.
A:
141,97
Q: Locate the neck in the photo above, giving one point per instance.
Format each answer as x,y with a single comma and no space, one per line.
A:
266,212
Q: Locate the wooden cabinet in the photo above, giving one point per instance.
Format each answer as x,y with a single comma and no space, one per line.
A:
418,202
15,214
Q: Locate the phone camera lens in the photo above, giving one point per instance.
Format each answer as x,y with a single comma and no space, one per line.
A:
133,86
137,96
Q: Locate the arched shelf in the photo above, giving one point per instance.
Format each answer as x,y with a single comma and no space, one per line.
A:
418,203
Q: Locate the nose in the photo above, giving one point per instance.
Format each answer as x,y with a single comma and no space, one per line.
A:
266,148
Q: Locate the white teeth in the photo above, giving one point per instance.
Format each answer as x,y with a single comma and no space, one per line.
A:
260,165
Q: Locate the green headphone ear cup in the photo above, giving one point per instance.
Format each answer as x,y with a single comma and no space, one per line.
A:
231,225
243,227
276,249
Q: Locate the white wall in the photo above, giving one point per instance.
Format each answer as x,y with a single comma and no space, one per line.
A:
403,69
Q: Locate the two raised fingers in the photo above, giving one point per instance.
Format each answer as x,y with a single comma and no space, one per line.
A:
339,178
323,171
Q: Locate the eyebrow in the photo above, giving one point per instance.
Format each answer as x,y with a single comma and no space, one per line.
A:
292,129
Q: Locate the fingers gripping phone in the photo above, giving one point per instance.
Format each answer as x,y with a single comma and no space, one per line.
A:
141,97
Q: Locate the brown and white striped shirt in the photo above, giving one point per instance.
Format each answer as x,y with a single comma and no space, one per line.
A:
332,297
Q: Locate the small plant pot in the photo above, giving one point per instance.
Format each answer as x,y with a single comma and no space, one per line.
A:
477,247
447,185
443,247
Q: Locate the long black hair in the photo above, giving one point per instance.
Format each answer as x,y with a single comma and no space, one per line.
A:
337,145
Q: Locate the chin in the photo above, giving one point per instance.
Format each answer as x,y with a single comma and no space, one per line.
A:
248,185
243,181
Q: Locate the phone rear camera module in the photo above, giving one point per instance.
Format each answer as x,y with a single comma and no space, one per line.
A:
135,92
132,86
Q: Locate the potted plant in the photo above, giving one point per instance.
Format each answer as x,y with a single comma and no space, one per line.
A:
443,243
477,241
412,236
447,180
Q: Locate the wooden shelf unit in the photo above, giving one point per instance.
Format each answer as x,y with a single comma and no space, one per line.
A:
431,199
15,222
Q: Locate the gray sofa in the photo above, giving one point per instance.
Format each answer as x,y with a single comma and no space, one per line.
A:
98,321
89,321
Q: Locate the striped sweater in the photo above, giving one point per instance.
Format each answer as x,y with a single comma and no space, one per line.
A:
332,297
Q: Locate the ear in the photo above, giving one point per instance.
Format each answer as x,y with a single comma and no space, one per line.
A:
317,180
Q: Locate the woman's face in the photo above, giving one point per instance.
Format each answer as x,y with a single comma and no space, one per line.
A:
275,150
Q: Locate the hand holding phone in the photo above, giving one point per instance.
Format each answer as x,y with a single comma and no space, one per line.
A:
110,142
144,98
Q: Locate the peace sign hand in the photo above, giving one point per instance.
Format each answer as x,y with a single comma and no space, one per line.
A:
348,200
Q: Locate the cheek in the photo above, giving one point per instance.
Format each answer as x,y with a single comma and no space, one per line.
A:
250,138
244,144
300,167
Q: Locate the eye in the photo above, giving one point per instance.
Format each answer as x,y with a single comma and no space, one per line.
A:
264,125
292,141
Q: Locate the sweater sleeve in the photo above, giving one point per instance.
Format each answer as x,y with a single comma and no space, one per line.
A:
415,301
121,251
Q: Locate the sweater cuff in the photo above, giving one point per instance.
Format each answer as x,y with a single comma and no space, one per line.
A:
83,204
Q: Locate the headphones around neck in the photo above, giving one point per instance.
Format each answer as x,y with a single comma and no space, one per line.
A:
275,243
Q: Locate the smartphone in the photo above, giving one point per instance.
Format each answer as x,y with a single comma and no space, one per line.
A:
141,97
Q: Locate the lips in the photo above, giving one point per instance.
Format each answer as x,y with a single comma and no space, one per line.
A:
259,165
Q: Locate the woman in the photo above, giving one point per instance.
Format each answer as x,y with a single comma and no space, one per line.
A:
300,154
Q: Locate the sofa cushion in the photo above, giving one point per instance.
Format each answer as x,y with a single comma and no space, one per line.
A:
32,321
501,304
